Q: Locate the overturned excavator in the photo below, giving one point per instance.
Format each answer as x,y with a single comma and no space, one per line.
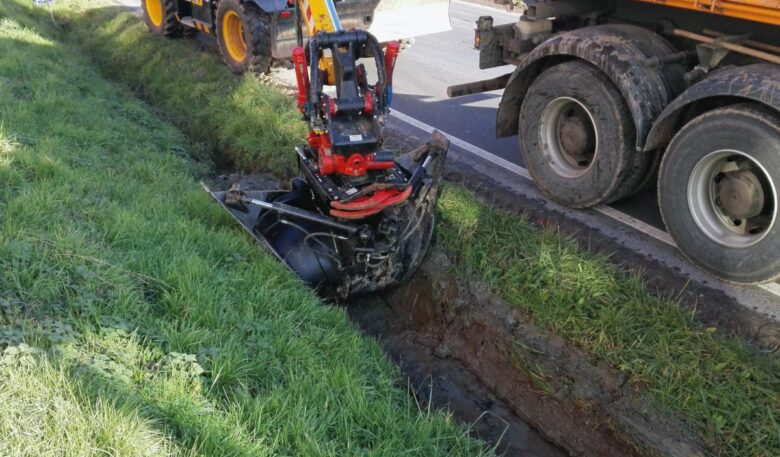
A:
357,219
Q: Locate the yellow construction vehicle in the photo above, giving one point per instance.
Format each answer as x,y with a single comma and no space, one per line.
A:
605,90
251,33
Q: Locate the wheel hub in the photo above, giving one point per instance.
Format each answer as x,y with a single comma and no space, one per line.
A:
731,198
739,195
568,136
576,134
233,34
154,9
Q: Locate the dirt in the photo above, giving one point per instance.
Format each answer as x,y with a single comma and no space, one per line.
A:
520,388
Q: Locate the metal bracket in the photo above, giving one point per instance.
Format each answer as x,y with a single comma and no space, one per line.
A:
711,54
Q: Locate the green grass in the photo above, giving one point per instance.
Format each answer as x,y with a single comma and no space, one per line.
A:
136,318
725,391
248,125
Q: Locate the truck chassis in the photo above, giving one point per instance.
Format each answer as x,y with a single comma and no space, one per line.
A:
609,97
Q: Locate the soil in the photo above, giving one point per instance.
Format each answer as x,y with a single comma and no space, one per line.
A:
524,390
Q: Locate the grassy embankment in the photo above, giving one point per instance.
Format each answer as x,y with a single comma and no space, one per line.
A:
135,319
728,393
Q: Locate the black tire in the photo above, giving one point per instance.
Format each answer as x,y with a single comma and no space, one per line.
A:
609,168
256,30
160,17
650,176
701,160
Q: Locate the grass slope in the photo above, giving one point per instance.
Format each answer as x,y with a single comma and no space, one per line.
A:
136,319
726,392
249,125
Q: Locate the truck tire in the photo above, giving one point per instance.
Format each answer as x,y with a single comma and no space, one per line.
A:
718,192
244,37
160,17
577,137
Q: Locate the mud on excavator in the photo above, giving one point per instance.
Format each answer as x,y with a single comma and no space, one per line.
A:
357,219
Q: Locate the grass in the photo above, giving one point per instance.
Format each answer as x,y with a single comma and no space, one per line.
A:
135,318
723,389
726,392
250,126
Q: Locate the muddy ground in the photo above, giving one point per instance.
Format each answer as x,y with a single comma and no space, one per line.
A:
520,388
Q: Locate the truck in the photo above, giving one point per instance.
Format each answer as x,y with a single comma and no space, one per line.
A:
609,97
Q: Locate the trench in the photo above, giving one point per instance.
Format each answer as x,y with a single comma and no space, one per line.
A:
519,388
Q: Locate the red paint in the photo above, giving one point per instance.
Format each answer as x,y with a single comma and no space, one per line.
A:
354,165
391,55
370,205
302,77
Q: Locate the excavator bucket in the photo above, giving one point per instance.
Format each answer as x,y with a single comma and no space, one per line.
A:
341,257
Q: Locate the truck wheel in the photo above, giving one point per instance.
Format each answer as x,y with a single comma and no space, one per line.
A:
160,17
718,192
577,137
244,37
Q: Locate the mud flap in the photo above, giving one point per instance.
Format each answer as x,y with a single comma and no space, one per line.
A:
343,258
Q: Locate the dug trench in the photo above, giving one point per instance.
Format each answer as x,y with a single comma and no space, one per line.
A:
521,389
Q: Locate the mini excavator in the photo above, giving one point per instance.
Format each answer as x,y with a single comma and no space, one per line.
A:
357,219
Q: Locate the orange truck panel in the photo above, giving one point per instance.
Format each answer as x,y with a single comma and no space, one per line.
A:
766,11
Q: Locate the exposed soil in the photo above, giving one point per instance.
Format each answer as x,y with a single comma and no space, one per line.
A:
523,389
